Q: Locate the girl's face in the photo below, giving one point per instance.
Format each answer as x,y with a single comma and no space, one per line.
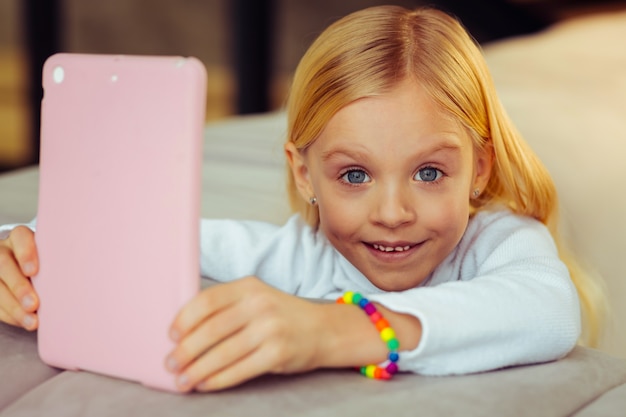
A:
393,176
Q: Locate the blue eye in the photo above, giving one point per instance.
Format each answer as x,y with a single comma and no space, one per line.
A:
355,176
428,174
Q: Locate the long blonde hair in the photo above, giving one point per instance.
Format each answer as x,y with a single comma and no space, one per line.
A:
369,52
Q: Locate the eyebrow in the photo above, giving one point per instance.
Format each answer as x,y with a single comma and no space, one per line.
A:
446,145
334,153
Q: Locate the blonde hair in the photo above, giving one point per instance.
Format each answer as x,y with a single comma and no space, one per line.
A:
369,52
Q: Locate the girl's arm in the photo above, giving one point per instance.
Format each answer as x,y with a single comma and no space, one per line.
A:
512,302
502,298
234,332
291,257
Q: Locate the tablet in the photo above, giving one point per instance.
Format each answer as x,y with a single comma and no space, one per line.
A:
118,210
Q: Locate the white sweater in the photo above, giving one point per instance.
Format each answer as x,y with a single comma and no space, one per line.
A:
501,298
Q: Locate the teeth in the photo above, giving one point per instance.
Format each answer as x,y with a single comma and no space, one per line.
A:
391,249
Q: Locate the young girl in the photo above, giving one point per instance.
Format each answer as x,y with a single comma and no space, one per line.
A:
414,193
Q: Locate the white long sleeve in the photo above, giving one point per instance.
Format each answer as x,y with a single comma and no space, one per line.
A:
5,229
501,298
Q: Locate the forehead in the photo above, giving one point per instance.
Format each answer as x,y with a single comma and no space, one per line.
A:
406,116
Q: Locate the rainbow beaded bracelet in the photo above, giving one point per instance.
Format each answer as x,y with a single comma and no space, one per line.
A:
387,334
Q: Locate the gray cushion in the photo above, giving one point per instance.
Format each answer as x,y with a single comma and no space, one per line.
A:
20,367
554,389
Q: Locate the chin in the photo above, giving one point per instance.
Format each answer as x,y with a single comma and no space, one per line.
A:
395,285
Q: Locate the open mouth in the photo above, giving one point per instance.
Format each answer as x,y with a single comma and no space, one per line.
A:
383,248
393,249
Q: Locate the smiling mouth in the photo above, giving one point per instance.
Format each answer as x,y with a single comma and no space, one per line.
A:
383,248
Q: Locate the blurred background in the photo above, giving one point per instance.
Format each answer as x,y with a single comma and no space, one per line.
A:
250,47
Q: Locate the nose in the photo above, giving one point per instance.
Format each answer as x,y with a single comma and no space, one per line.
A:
394,206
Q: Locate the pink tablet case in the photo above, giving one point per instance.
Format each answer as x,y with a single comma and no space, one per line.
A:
117,227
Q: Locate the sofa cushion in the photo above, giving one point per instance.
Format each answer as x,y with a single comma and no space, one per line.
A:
554,389
565,89
20,366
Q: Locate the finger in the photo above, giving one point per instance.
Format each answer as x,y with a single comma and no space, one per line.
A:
252,365
16,283
205,336
199,309
12,312
205,304
213,363
22,241
249,367
7,318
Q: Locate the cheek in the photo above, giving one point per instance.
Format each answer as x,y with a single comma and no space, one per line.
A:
338,219
342,217
449,215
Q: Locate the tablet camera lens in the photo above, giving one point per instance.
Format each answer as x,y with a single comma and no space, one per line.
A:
58,75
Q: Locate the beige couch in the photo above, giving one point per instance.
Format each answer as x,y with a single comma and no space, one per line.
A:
566,90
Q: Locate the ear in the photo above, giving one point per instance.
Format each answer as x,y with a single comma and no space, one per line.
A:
483,164
300,171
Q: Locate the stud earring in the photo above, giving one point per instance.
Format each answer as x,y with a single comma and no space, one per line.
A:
313,201
476,192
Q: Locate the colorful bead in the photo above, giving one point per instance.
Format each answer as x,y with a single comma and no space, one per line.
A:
393,344
392,368
381,325
385,375
387,334
376,317
370,309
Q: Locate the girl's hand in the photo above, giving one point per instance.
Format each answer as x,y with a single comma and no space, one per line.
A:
18,262
233,332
